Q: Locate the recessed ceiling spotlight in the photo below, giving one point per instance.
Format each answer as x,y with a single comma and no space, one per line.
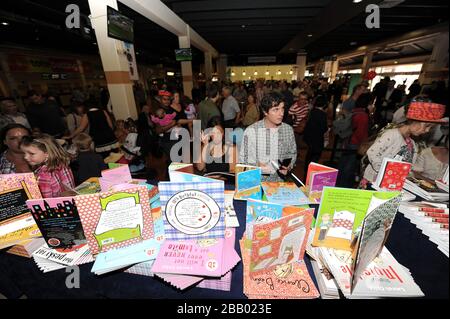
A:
5,23
353,43
243,26
310,35
357,1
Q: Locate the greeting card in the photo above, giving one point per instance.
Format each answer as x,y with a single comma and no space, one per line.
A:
193,210
115,219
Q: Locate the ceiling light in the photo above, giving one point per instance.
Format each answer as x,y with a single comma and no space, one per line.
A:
395,62
267,72
170,74
291,72
256,73
5,23
243,26
353,43
357,1
233,74
243,73
310,35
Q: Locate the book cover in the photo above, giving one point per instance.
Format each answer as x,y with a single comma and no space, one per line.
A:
261,212
375,231
65,256
316,168
340,216
15,190
278,242
286,193
89,186
204,257
383,277
284,281
392,174
231,219
193,210
319,180
58,221
112,220
248,182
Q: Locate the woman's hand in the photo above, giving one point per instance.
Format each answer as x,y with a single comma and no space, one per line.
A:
204,137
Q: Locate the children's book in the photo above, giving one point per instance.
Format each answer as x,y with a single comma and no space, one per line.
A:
193,210
392,174
262,212
231,219
248,182
279,242
58,221
65,256
125,257
16,222
204,257
89,186
115,219
114,176
27,247
342,212
375,230
286,193
383,277
15,190
318,177
290,280
425,189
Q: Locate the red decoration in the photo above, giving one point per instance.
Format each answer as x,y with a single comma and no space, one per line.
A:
371,75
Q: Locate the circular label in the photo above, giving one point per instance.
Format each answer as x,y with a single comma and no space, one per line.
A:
212,264
192,212
54,242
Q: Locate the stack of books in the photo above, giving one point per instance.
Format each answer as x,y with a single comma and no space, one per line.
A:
350,232
272,250
443,182
26,247
432,219
384,277
426,189
49,259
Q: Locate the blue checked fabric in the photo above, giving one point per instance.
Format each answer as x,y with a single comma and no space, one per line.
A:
213,189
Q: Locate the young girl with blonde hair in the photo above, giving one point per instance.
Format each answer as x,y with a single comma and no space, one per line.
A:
50,163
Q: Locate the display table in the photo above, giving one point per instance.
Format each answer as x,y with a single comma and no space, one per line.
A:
19,275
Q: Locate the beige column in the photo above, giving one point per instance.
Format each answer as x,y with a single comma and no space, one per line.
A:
114,61
82,76
367,62
222,67
334,70
436,68
186,66
208,66
301,65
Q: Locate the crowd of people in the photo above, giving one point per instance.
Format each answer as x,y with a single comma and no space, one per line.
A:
273,122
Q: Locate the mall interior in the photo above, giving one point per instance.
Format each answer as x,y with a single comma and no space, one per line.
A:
130,81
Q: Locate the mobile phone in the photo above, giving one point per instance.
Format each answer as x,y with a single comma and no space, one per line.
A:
285,162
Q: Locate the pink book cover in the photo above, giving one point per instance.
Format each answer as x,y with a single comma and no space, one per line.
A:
120,173
287,281
318,181
279,242
15,189
204,257
114,220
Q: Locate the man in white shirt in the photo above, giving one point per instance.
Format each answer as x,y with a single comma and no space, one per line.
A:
230,108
